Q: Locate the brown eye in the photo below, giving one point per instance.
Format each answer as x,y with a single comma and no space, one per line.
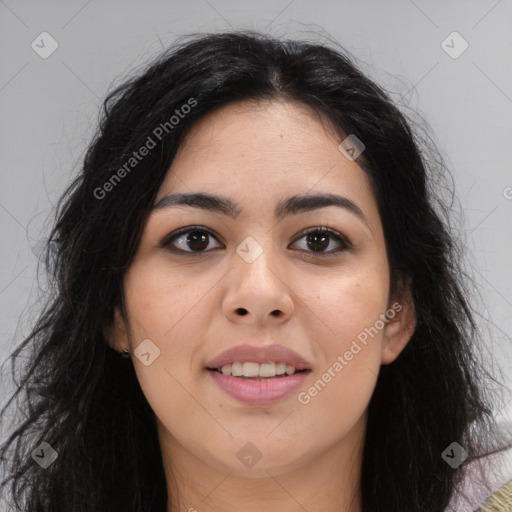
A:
197,239
319,239
191,240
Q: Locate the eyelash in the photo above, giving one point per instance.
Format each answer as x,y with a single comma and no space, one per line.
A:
345,244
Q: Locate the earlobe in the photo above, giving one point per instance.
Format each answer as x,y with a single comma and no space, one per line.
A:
399,329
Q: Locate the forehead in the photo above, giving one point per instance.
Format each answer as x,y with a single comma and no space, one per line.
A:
261,151
267,130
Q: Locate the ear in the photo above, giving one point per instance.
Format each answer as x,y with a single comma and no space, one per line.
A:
401,325
116,334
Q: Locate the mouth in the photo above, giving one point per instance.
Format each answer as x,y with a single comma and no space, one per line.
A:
258,384
258,371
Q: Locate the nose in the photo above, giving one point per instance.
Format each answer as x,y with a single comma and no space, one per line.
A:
259,291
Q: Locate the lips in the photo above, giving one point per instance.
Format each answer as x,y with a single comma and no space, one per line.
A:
259,354
259,391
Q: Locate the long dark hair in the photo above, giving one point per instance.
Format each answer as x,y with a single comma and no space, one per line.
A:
84,400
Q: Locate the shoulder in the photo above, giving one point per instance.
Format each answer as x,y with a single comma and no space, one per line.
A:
487,486
498,501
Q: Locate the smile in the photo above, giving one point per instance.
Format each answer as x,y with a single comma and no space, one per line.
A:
251,369
258,389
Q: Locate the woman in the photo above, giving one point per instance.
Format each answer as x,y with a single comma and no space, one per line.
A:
256,231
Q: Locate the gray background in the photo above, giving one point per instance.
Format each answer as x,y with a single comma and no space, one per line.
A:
49,109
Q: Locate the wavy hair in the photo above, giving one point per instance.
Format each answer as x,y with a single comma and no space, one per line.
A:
81,398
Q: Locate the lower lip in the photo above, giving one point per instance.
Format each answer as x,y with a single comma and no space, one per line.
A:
258,392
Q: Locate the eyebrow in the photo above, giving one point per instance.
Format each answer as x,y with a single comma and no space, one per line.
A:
289,206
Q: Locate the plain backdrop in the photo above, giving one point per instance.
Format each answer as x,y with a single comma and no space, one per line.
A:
49,110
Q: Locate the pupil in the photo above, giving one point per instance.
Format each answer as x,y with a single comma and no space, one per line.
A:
323,237
197,237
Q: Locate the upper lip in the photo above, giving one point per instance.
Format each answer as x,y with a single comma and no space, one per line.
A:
259,354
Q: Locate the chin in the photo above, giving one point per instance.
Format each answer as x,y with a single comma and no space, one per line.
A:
250,459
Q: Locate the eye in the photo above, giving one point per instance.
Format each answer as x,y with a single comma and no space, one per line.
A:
319,238
194,237
197,239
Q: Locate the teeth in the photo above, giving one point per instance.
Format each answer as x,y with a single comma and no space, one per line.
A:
266,369
236,369
250,369
257,370
290,370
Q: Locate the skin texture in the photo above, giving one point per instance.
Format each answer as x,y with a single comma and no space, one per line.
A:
256,154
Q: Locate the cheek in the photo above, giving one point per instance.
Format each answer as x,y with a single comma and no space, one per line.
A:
170,312
166,304
347,311
344,304
339,392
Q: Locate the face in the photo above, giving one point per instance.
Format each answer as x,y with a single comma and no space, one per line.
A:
249,277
